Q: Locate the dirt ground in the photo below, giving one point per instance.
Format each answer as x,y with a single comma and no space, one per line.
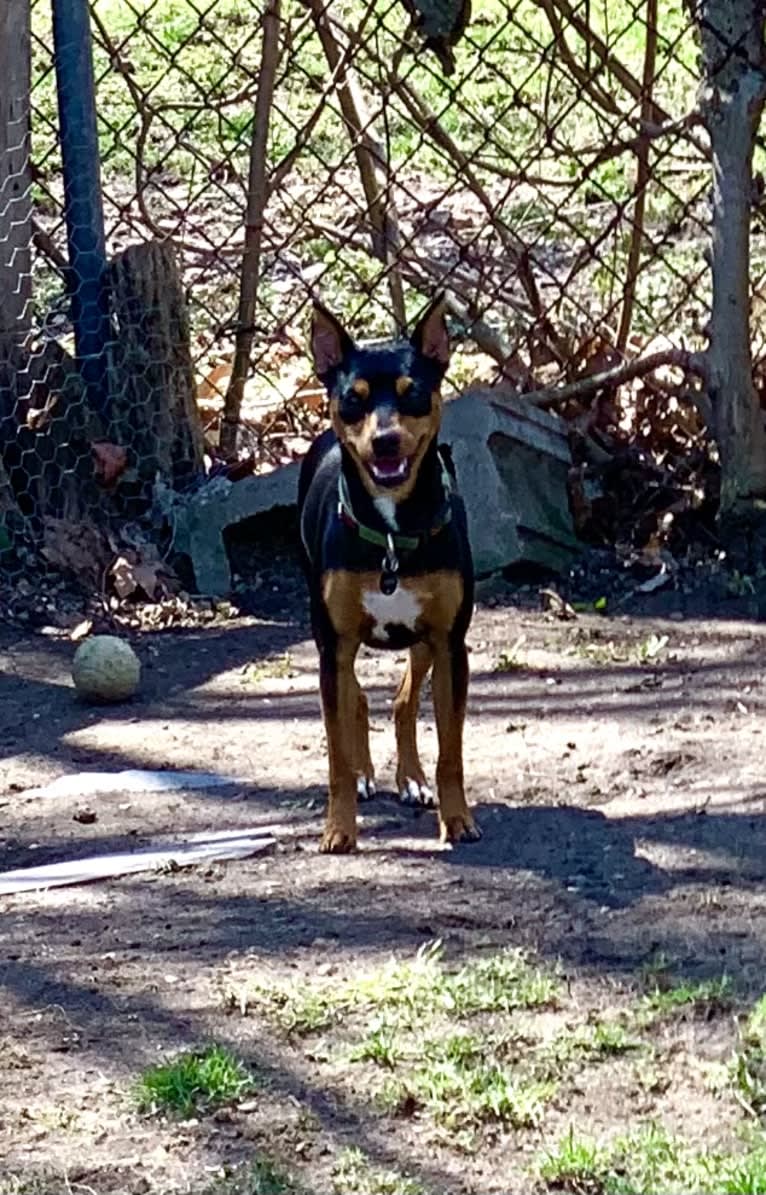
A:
619,783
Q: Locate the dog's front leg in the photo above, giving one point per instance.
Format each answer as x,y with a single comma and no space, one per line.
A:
340,698
450,689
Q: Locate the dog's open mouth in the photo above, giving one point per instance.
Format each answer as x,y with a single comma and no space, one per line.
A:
389,470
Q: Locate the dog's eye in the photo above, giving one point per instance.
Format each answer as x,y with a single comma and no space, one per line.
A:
414,399
354,405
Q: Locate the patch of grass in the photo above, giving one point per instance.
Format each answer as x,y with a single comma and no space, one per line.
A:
741,1175
650,649
647,651
304,1011
604,1039
610,1038
649,1161
704,998
414,988
380,1046
354,1174
194,1082
275,668
576,1164
16,1184
748,1067
257,1178
509,661
461,1083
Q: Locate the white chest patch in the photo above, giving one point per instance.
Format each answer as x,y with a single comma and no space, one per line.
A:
401,607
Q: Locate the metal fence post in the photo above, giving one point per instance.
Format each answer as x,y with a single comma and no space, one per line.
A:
82,191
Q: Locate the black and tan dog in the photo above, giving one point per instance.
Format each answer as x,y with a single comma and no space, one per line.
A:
388,563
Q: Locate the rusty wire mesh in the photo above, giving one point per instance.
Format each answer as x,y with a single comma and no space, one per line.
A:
556,183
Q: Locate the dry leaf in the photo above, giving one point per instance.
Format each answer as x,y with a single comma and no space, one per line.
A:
129,576
109,462
79,548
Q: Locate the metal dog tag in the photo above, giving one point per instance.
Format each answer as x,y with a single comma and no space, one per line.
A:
389,568
388,582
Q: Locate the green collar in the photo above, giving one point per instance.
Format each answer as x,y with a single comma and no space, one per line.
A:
389,540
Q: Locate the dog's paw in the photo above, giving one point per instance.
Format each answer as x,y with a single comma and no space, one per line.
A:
416,792
365,788
460,828
336,841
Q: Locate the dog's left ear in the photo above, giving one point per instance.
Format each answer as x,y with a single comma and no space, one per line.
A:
431,338
330,342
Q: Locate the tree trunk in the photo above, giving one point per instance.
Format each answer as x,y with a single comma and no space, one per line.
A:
732,98
15,180
153,412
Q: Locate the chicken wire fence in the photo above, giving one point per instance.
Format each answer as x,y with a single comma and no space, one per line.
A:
540,160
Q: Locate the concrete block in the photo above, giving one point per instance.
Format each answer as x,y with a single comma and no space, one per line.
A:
512,462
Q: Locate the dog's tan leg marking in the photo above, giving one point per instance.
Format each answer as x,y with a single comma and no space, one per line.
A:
450,688
340,704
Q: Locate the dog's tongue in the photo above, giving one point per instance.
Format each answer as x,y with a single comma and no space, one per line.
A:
388,466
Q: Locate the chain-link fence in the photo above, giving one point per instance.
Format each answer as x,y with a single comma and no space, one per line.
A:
541,160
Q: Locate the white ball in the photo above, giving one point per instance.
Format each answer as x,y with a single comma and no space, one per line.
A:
106,668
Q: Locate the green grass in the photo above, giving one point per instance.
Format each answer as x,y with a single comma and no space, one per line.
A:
275,668
649,1161
194,1082
355,1174
748,1066
257,1178
466,1092
702,998
415,988
596,1042
381,1046
195,67
210,54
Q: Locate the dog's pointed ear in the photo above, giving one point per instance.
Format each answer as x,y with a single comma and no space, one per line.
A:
330,342
431,338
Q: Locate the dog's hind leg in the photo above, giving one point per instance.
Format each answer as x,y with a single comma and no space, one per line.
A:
410,777
365,773
450,690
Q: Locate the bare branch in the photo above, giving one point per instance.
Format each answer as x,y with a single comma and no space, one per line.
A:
257,198
430,125
583,76
370,157
642,178
609,379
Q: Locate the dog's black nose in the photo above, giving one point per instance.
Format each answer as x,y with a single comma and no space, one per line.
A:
386,444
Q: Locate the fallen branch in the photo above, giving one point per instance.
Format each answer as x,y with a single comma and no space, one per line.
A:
609,379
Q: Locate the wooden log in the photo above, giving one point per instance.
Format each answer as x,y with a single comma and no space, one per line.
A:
153,410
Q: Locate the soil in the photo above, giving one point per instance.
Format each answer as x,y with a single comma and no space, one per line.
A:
618,778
